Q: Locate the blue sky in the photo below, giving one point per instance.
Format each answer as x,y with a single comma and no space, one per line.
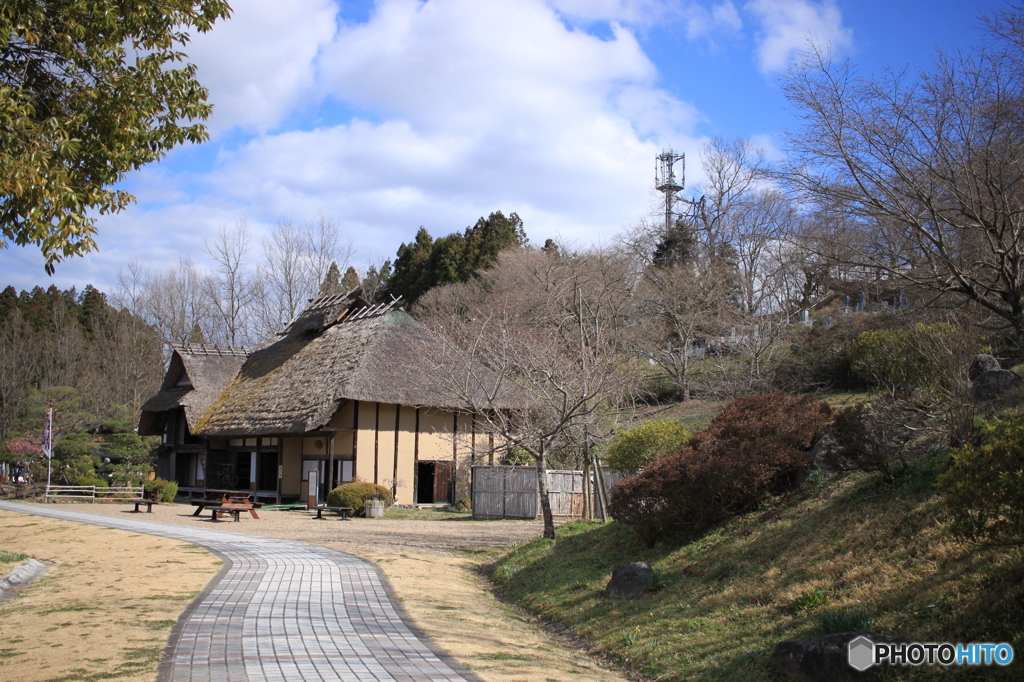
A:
393,114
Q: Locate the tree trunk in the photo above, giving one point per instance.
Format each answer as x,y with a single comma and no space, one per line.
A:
545,500
601,489
588,494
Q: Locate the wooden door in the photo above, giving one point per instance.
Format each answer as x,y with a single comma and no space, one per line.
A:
444,481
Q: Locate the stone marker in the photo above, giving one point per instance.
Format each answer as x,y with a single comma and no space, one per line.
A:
992,383
981,363
629,580
824,659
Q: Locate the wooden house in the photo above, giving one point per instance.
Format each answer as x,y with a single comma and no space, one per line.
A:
344,392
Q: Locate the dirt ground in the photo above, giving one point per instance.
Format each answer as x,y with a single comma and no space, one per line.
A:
104,609
432,566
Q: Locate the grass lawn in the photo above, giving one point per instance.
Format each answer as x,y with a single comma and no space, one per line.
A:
723,601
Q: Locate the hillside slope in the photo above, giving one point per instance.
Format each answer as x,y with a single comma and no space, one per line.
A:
724,600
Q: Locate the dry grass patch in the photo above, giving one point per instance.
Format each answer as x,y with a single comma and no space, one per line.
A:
104,610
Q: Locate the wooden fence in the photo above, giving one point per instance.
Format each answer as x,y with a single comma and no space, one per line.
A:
509,492
92,492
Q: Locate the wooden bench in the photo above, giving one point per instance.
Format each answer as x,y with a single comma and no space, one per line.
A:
138,503
344,511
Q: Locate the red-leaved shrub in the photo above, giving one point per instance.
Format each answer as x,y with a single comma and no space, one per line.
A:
756,447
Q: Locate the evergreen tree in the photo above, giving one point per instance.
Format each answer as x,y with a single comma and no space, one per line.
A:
426,263
351,279
196,335
92,310
332,282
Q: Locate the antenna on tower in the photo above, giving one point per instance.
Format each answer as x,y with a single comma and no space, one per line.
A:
665,180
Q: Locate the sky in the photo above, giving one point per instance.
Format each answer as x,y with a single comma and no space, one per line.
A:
390,115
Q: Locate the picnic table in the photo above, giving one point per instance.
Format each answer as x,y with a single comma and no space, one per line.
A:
320,509
228,503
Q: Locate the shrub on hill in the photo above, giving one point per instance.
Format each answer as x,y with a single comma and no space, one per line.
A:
633,449
984,485
926,360
355,495
875,436
755,448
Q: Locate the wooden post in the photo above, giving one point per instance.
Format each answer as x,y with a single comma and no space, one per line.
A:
311,489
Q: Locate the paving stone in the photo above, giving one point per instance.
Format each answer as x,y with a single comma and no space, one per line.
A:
285,610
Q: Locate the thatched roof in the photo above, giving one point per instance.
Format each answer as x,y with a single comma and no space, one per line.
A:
196,377
340,348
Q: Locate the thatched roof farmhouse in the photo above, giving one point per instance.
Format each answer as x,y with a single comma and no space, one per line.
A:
343,391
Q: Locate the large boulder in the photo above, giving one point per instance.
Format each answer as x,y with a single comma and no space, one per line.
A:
980,364
630,580
992,383
818,660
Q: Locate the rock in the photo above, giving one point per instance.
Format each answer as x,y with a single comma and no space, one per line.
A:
818,660
981,363
992,383
824,458
629,580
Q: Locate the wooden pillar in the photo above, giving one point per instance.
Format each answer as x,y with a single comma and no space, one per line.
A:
416,459
376,446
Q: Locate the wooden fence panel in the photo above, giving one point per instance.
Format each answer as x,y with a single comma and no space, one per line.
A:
507,492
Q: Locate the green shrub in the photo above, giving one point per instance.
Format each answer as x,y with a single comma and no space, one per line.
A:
926,360
984,485
356,493
91,480
463,504
516,457
168,489
811,599
758,446
836,621
632,450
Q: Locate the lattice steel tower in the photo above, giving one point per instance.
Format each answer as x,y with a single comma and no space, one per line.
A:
665,180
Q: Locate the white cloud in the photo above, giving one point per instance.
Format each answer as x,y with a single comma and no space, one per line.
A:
465,107
259,64
788,25
635,12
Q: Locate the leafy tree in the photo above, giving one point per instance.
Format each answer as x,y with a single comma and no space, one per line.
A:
426,263
77,112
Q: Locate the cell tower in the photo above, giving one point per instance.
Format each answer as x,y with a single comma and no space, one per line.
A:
665,180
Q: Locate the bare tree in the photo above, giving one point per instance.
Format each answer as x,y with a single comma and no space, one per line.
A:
233,290
924,169
534,348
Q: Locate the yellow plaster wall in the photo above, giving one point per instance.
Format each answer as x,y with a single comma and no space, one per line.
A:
291,461
435,435
364,444
384,469
406,452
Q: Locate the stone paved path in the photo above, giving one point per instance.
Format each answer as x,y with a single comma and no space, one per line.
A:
285,611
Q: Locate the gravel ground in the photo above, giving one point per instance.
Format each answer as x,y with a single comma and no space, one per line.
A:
361,537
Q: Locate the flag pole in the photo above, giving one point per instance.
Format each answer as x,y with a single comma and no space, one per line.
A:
48,451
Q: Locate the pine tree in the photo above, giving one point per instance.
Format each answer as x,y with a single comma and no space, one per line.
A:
351,279
332,282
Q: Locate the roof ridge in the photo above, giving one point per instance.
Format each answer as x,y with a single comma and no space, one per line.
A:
210,349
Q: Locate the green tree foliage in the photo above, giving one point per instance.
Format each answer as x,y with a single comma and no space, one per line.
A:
632,450
332,281
351,279
425,262
89,91
984,485
93,361
925,360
